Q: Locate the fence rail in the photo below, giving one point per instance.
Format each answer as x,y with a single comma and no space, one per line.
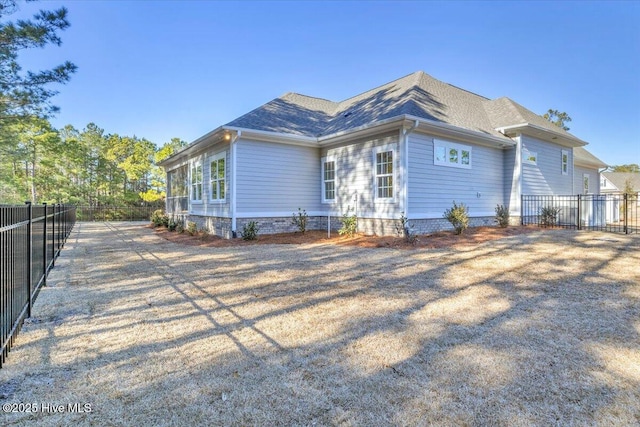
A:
31,238
605,212
115,213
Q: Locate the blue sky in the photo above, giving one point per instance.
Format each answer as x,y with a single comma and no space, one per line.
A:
163,69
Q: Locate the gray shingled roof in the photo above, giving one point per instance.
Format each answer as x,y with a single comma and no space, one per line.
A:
417,94
581,155
619,179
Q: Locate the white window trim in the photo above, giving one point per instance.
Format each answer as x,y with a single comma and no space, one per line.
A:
335,179
193,164
525,157
562,162
218,156
394,164
448,145
586,178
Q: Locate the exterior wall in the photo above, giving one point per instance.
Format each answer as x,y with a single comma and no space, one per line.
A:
594,180
512,179
546,177
433,188
355,178
218,226
276,179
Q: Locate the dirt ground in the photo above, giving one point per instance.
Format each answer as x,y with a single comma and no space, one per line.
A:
442,239
534,329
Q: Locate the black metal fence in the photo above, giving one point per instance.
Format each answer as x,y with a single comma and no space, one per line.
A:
31,237
605,212
115,213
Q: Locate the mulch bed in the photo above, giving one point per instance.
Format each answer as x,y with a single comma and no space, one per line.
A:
442,239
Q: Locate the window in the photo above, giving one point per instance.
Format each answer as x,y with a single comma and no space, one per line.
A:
585,183
529,157
196,181
565,162
217,183
328,180
178,185
450,154
384,175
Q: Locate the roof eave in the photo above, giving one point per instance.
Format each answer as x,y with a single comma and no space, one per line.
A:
534,130
194,146
269,136
447,130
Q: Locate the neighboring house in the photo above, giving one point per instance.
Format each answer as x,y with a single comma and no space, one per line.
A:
613,184
411,146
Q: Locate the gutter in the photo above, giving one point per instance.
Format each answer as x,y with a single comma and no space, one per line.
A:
405,183
234,174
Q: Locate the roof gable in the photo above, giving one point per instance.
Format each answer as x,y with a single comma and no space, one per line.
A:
619,179
418,95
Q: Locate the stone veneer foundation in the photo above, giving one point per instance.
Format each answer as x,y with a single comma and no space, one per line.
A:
221,226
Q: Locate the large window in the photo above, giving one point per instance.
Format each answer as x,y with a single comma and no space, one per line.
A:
328,180
196,181
565,162
384,175
450,154
178,184
217,181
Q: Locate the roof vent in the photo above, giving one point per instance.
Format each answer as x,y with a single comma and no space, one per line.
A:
347,114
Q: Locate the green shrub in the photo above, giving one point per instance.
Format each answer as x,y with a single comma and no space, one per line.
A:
458,216
158,218
349,224
250,231
192,228
174,224
549,215
404,229
180,227
502,216
300,220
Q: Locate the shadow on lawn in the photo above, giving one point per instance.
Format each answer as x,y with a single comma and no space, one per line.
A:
335,335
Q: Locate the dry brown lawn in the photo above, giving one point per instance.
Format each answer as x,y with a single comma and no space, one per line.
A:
541,328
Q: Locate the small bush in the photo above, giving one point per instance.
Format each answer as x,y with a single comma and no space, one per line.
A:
502,216
172,224
349,224
180,227
158,218
549,215
192,228
458,216
250,231
404,229
300,220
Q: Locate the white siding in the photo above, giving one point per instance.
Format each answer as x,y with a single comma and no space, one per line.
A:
276,179
594,180
512,179
433,188
355,176
546,177
208,207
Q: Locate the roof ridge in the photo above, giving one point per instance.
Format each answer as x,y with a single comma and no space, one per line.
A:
308,96
380,86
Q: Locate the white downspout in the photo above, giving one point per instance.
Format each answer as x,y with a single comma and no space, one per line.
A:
234,176
405,182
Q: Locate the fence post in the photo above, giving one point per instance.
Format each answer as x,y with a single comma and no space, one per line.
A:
626,213
29,255
53,237
44,247
579,219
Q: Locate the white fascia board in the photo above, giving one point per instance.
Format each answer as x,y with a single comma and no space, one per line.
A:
363,131
561,139
467,135
185,152
268,136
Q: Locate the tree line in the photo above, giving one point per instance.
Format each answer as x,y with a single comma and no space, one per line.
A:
83,167
43,164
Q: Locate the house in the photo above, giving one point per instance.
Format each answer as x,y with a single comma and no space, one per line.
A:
616,182
613,186
411,146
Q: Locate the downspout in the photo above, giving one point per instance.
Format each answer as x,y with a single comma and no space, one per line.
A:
234,176
405,182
